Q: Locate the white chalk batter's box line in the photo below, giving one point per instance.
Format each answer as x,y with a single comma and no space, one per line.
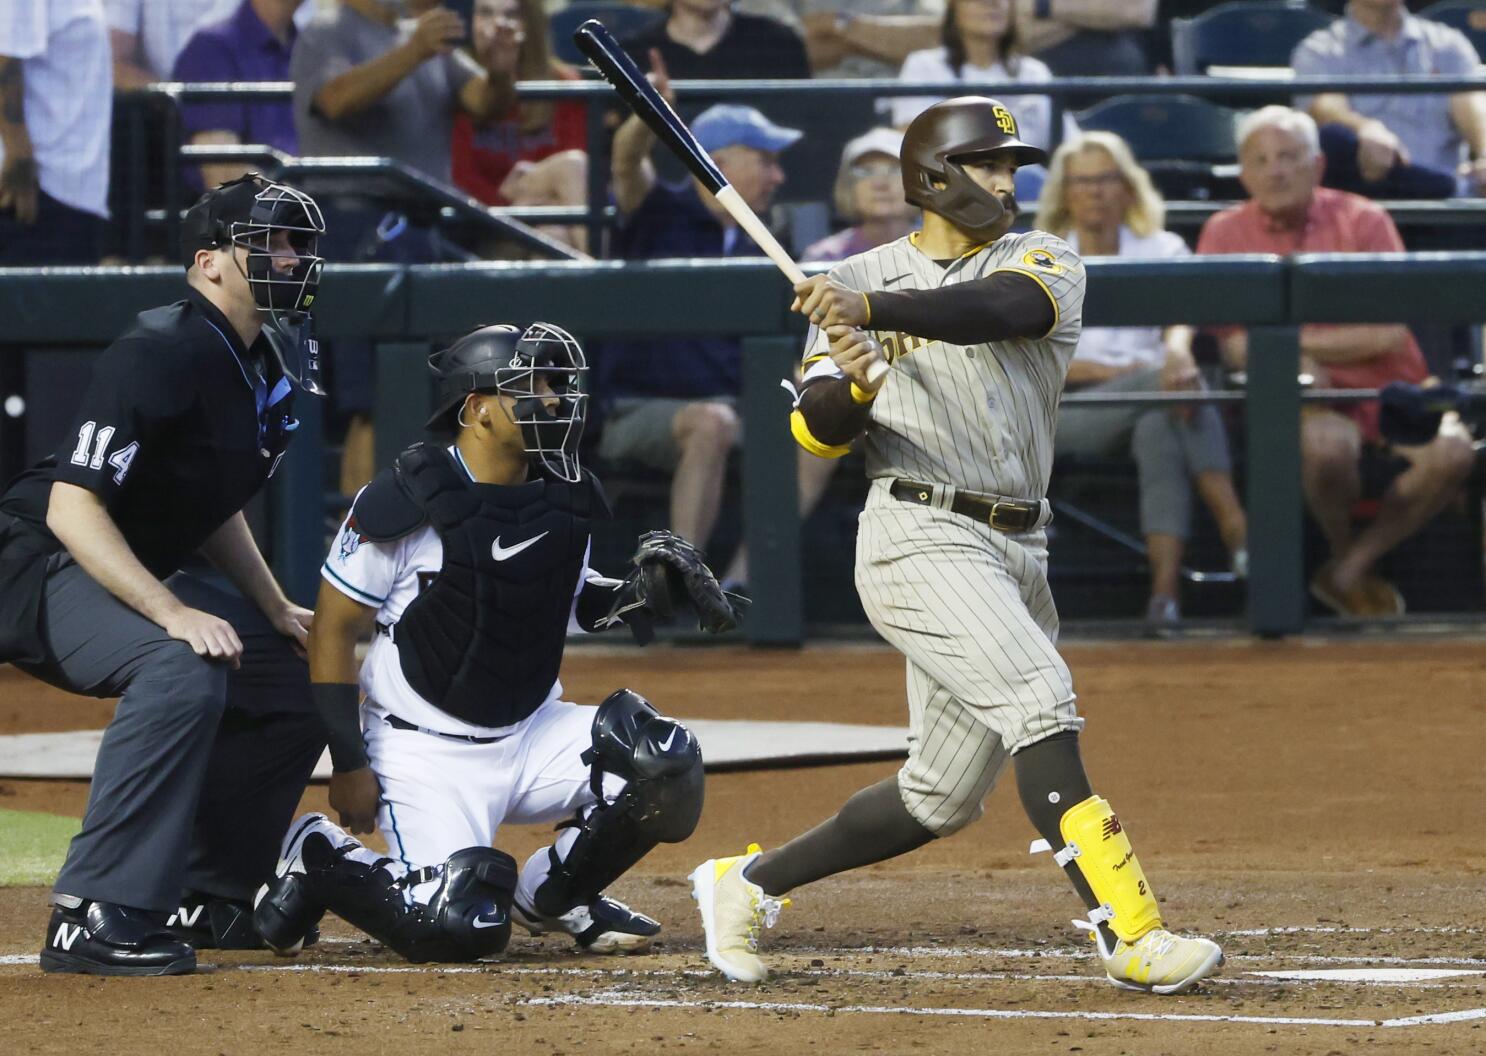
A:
619,998
1411,978
1072,953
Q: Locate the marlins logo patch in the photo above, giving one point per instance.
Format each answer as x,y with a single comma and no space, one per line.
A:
1043,260
350,540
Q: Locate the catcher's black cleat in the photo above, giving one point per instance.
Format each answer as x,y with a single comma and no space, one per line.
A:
100,938
287,910
211,923
602,926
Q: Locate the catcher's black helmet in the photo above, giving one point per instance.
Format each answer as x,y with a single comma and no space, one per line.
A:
509,361
966,128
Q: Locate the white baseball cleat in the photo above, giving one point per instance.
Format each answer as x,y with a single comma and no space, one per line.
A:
1158,962
734,910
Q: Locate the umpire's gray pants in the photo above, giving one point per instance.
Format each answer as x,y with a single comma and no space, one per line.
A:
1168,451
200,771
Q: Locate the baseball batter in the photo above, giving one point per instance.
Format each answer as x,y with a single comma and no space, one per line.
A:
471,562
979,326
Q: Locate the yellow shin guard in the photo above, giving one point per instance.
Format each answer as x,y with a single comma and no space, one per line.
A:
1093,837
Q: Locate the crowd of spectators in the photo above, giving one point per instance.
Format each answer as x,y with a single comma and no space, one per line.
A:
1104,204
431,84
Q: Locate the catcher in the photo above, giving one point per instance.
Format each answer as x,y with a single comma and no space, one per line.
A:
471,563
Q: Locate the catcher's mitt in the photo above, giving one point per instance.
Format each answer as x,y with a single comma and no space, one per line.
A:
670,572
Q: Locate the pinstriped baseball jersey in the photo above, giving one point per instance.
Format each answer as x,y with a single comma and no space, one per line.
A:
979,417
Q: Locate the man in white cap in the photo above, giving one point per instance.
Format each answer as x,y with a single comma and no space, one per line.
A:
868,194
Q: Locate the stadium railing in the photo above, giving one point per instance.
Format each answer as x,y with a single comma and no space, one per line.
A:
405,309
787,93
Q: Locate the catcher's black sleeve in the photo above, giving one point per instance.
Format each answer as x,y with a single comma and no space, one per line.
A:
833,417
339,704
1001,306
594,602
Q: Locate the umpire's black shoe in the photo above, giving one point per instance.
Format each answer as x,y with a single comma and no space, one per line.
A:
100,938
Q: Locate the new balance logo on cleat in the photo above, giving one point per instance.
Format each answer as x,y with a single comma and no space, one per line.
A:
186,918
1111,826
66,935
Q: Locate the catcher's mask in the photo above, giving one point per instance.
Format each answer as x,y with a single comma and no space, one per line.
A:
940,140
251,212
507,361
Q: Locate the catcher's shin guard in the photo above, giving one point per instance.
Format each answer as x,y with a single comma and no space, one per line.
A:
468,916
661,764
1095,840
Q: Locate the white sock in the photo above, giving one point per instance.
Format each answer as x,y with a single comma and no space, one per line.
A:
537,868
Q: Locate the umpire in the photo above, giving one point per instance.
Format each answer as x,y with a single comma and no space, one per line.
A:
211,746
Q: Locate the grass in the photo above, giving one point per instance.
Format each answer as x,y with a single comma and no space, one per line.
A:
32,846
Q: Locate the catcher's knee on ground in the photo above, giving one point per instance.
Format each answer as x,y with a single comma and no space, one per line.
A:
661,802
468,915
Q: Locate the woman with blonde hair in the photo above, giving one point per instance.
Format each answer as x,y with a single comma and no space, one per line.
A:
1099,198
868,194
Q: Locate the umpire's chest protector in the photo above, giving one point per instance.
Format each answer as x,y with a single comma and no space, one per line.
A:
484,639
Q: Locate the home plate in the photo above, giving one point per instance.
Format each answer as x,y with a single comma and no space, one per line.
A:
727,744
1372,975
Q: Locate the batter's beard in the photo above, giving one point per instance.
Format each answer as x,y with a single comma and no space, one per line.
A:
1008,202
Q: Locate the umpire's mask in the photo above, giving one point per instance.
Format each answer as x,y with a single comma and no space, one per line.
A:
531,366
280,227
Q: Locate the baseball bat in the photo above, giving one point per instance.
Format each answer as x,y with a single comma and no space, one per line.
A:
594,40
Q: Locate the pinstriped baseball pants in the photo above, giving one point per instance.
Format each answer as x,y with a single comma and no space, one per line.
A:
970,609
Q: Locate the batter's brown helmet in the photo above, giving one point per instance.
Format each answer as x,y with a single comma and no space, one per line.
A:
956,130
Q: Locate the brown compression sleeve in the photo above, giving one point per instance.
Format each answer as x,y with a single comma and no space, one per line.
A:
833,417
1003,305
873,826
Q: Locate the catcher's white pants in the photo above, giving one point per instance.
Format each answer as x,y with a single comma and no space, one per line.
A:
441,795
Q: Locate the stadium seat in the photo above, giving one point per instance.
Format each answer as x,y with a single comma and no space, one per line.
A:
1468,16
1166,127
1243,33
623,20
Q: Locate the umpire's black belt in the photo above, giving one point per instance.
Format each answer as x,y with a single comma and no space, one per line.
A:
1004,515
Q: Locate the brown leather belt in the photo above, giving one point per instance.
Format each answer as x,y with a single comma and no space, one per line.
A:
1004,515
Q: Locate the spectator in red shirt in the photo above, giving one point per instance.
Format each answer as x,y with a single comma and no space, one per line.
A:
535,150
1280,165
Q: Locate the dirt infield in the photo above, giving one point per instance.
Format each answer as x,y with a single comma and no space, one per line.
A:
1316,806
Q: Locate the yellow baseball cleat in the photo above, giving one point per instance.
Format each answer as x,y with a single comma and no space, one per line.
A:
734,910
1158,962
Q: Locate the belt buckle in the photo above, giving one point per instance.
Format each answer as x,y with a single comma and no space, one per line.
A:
994,518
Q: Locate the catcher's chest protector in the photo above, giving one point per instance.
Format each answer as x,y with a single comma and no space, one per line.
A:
484,640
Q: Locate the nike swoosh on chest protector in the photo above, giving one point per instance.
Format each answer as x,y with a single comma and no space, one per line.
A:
504,553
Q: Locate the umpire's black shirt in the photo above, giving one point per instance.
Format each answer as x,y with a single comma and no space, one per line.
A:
179,428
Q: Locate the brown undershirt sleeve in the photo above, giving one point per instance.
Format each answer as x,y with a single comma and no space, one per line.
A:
1003,305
